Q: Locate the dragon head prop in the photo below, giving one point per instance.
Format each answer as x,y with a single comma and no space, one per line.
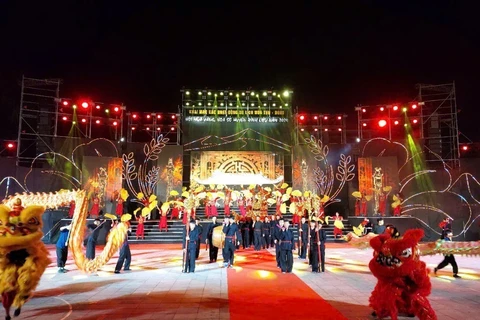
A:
395,257
19,227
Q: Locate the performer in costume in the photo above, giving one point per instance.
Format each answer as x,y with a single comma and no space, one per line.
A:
72,209
140,233
94,211
446,226
190,239
233,237
303,238
246,233
363,204
23,256
125,256
287,244
379,228
397,205
277,234
448,258
92,238
273,222
213,251
313,246
175,212
403,284
241,207
358,202
257,233
266,233
199,227
207,207
62,248
382,203
227,201
338,225
322,238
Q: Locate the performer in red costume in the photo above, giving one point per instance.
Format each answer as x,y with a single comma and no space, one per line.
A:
403,284
228,199
338,226
241,206
175,212
363,204
163,226
358,202
382,203
119,207
207,207
140,233
95,207
72,209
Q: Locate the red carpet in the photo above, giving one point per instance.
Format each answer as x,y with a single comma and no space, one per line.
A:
257,289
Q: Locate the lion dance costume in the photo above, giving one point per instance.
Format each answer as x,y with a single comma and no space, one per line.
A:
403,282
23,256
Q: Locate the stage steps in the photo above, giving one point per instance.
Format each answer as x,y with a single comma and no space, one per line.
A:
175,229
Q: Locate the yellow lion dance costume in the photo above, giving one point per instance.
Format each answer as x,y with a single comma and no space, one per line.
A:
23,256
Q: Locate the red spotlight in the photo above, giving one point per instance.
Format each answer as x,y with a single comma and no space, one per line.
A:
382,108
85,105
172,128
133,128
339,129
158,129
64,118
302,118
396,122
364,124
315,129
97,121
159,116
173,116
65,102
148,116
115,123
326,129
465,148
116,109
364,110
325,118
84,120
148,128
395,108
302,129
10,145
382,123
414,106
134,116
415,120
97,107
315,118
339,118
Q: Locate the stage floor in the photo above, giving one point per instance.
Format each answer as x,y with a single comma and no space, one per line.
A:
156,288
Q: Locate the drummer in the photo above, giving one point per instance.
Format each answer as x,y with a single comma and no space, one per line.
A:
233,237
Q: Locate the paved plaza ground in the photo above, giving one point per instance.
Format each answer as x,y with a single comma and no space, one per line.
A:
157,289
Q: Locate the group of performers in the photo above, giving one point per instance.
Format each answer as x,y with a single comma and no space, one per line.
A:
362,200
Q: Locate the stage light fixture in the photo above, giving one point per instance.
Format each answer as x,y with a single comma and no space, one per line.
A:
97,107
159,116
339,117
116,109
286,94
274,94
199,93
133,128
187,104
172,129
221,93
264,93
215,95
315,129
364,124
199,103
209,93
10,145
64,118
405,125
209,104
230,104
264,104
173,116
252,104
107,111
414,106
134,116
74,106
382,108
465,148
221,104
396,122
74,122
237,95
148,128
115,123
65,103
84,120
187,93
315,118
382,123
85,105
252,93
273,104
230,94
158,128
404,109
286,104
395,108
415,121
358,139
302,129
243,104
243,93
364,110
97,121
122,139
302,118
325,118
326,129
339,129
148,116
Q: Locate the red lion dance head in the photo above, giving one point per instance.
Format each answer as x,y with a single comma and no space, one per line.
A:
403,282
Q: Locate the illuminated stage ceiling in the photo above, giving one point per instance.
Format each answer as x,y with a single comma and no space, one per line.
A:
219,177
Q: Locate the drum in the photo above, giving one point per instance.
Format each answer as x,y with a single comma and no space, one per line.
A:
218,237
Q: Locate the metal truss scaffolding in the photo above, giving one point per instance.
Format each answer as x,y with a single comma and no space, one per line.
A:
440,123
38,121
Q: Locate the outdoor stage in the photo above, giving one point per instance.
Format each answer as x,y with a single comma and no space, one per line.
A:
253,289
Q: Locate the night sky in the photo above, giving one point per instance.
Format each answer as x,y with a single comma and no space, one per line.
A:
333,56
